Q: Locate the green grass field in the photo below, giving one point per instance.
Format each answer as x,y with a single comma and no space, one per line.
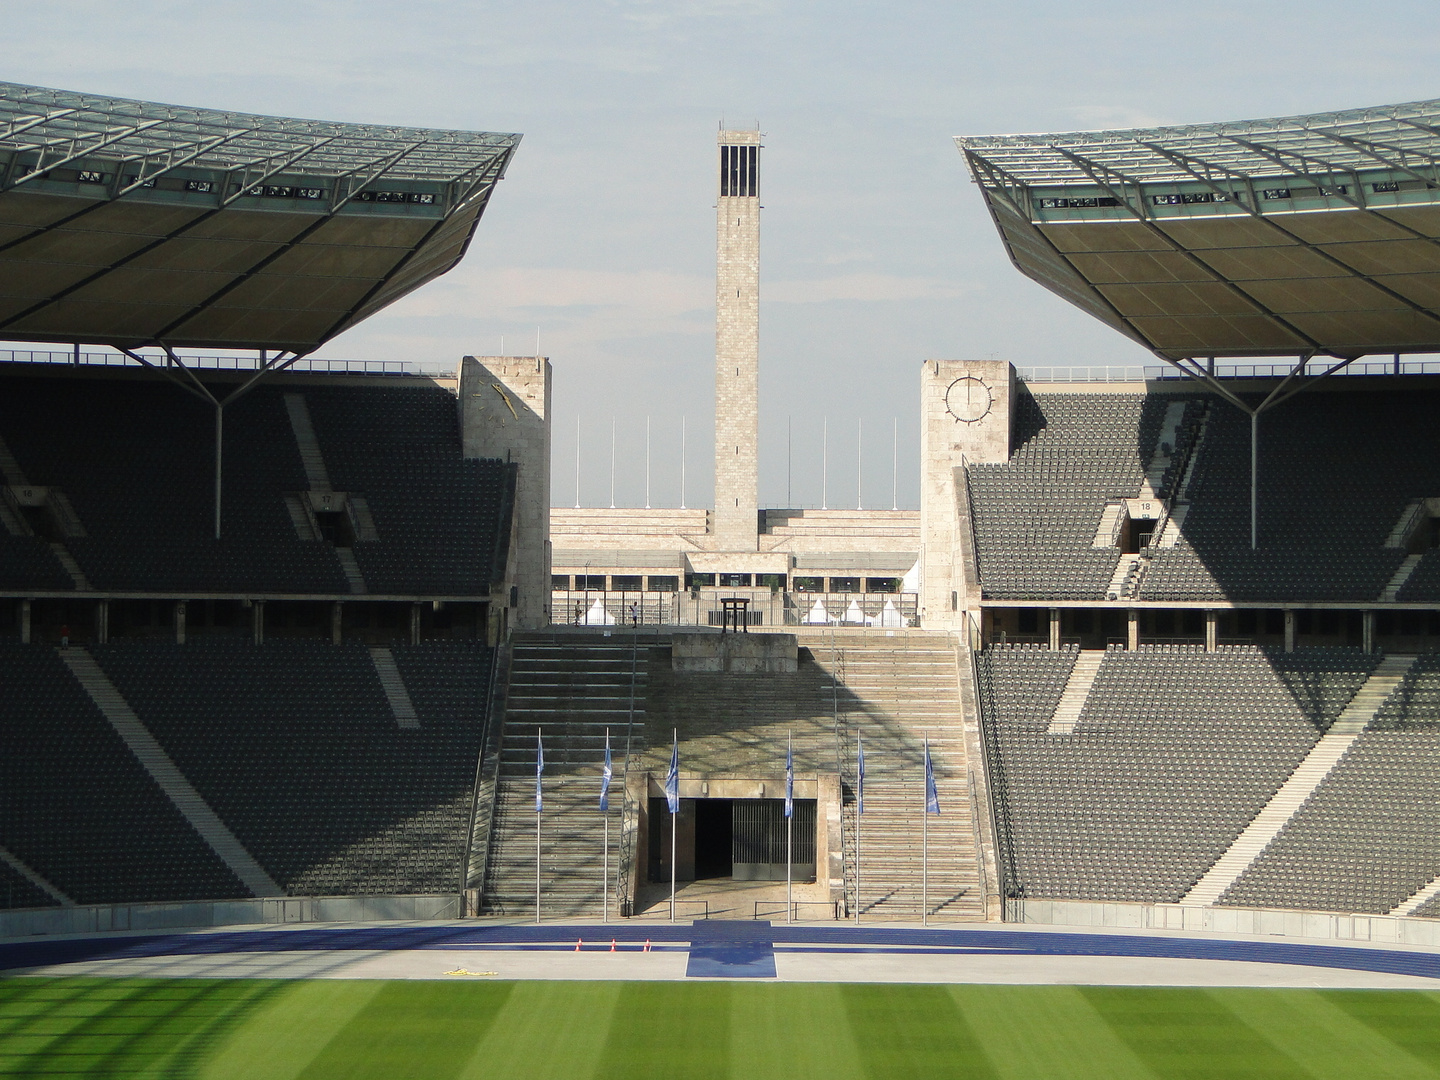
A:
272,1029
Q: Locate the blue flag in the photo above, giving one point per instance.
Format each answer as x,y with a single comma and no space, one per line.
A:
860,776
789,779
672,778
932,797
539,771
605,776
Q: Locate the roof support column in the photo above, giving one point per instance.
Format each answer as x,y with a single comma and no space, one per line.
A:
1254,479
219,443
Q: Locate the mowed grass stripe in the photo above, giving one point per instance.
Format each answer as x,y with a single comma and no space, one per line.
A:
411,1028
283,1030
661,1029
1187,1034
286,1032
1046,1031
154,1026
920,1032
1409,1019
1326,1040
546,1030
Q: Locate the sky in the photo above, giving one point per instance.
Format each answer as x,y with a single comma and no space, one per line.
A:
876,251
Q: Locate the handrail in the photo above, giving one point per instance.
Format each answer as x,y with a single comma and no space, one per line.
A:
627,843
994,785
794,905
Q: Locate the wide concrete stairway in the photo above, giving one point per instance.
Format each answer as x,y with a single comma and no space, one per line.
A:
894,691
570,688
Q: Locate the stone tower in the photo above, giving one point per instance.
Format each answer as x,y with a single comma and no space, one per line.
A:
737,343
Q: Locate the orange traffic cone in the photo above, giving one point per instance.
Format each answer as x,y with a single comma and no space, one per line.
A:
612,944
578,943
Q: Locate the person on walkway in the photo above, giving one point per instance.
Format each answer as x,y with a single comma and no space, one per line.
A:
65,636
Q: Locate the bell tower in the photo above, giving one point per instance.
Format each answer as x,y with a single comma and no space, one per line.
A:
737,343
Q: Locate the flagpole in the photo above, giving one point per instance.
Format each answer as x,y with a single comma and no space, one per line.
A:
925,842
605,851
674,810
859,814
789,829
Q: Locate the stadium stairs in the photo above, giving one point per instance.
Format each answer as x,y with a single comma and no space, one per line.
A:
896,690
889,690
570,689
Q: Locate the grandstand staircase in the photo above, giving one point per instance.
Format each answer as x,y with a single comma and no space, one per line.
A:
1402,574
570,689
1077,691
897,689
318,477
394,686
35,879
166,774
1301,784
1422,897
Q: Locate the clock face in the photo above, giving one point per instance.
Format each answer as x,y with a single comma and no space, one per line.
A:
968,399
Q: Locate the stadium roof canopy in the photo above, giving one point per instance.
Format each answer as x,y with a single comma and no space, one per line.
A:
1304,235
129,223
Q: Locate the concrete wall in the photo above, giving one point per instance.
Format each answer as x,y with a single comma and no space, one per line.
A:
737,362
966,416
29,922
1262,922
732,653
505,414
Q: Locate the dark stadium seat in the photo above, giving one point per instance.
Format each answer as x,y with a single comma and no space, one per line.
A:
75,804
294,745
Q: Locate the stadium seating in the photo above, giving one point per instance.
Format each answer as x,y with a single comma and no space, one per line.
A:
1369,837
1175,751
135,457
75,804
295,747
1325,510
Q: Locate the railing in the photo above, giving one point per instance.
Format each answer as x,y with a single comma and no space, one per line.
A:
1099,373
628,810
793,908
627,610
221,363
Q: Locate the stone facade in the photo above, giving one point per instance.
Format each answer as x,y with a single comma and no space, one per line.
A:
966,415
737,344
505,413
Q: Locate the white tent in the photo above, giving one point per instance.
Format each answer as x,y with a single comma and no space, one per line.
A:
818,615
890,615
598,616
911,581
855,616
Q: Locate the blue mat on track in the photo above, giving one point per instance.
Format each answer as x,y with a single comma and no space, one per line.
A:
731,950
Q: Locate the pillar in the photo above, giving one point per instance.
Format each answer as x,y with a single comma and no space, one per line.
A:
1054,628
415,624
102,622
737,343
25,621
1289,630
336,613
179,622
257,622
1212,630
1132,640
505,414
1367,631
965,419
